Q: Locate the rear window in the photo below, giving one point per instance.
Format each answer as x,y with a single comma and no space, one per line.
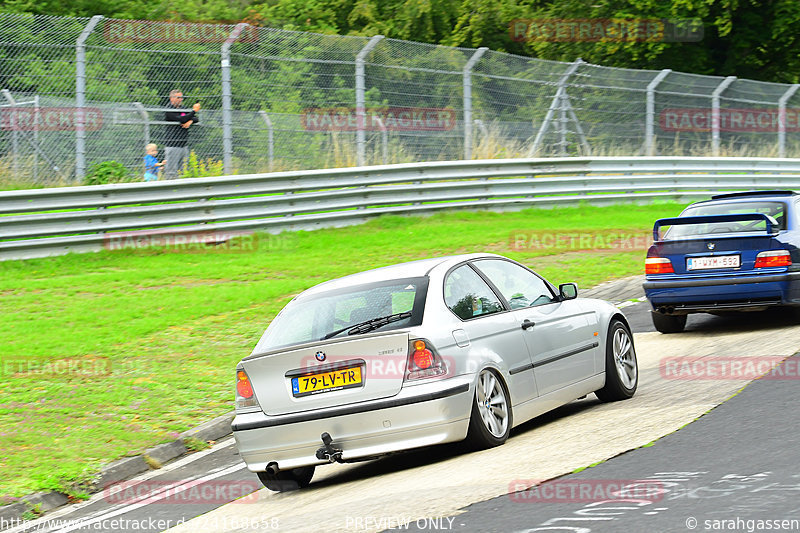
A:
313,317
776,210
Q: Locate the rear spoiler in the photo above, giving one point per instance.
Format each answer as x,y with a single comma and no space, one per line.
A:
705,219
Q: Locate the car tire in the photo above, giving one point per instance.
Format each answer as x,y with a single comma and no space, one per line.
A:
286,480
622,370
491,418
668,323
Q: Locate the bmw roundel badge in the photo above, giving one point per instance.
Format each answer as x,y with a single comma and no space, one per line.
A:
711,246
320,356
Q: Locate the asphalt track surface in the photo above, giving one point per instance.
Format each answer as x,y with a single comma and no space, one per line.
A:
734,469
166,505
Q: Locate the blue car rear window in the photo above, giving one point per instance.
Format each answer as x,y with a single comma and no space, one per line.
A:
776,210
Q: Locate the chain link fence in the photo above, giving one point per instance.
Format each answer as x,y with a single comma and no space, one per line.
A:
80,91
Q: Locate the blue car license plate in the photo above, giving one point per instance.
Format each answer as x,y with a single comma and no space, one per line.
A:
716,261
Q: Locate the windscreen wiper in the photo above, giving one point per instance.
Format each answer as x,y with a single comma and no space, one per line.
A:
368,325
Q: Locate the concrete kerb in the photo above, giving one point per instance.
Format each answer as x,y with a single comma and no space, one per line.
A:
120,470
615,291
11,513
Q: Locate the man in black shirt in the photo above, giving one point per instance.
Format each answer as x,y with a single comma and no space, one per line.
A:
176,137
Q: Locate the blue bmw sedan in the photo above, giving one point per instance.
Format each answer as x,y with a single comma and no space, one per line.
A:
735,252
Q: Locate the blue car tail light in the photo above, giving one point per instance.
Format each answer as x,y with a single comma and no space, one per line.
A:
658,265
773,258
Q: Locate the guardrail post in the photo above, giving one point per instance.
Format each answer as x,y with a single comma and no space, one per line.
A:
649,135
361,112
467,79
715,118
270,138
555,104
80,97
782,118
227,129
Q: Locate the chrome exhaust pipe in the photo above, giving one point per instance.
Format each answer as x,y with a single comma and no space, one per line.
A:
272,469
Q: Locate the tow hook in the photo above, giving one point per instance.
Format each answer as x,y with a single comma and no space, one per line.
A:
328,452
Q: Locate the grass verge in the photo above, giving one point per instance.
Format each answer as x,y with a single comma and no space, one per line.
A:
107,354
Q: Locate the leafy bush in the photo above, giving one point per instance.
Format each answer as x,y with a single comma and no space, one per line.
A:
196,168
108,172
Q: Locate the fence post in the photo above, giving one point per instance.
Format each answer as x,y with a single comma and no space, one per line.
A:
270,137
33,140
227,129
649,136
361,113
80,97
555,104
467,77
715,113
15,144
782,118
36,138
582,136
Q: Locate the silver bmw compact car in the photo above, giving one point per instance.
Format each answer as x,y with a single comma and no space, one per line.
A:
421,353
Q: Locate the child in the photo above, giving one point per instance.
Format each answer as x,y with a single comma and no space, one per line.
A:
151,164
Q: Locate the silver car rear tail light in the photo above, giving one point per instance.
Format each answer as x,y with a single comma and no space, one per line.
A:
423,361
245,397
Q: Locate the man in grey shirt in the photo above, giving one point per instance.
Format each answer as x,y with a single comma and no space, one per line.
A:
177,136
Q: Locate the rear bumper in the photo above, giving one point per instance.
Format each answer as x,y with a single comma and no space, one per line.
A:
420,415
724,293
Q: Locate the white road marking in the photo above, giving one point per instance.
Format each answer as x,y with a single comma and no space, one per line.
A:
151,498
41,523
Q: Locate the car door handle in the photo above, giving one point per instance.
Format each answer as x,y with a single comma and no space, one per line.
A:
527,324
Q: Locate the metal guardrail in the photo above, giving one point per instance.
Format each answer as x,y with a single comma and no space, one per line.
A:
44,222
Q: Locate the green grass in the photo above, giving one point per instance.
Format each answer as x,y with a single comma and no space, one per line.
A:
582,468
159,333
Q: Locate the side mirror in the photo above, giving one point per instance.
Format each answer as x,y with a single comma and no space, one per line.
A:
568,291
